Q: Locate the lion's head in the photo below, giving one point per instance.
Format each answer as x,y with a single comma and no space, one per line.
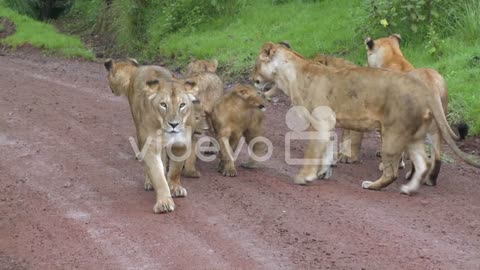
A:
380,50
198,66
271,58
265,66
173,102
250,96
119,74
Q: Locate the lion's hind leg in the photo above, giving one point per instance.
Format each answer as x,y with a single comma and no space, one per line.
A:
419,158
435,154
392,148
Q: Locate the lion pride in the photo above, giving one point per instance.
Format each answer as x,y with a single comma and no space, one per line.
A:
363,99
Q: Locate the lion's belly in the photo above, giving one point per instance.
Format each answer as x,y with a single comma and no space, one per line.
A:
358,124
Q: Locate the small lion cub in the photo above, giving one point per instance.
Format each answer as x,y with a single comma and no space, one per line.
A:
238,114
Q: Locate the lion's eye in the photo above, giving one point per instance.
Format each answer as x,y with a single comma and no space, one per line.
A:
163,104
182,105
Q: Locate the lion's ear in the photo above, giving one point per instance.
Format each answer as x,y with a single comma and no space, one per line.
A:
133,61
152,88
370,43
152,83
108,64
397,37
242,91
191,88
268,50
285,44
212,67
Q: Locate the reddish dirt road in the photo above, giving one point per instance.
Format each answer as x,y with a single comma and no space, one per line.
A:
72,196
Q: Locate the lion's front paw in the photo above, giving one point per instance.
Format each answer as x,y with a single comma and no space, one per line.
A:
326,174
148,184
405,190
366,184
164,205
191,173
229,171
178,191
342,158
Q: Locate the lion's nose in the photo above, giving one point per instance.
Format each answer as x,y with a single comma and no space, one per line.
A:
173,125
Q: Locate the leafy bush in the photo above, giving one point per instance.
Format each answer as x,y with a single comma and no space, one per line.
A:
417,17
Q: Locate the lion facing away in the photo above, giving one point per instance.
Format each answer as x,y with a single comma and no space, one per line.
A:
386,53
238,114
210,88
161,109
363,99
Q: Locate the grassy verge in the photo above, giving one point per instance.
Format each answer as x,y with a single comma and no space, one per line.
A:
235,41
143,29
42,35
326,27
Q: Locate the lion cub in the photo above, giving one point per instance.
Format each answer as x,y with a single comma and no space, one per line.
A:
238,114
210,89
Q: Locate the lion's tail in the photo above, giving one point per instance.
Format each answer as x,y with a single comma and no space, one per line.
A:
446,132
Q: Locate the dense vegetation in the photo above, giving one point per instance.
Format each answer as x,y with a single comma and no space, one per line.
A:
41,35
442,34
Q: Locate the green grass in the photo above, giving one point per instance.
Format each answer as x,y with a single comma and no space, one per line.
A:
235,41
42,35
327,27
460,66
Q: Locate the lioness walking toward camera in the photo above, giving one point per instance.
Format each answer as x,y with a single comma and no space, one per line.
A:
386,53
238,114
363,99
162,112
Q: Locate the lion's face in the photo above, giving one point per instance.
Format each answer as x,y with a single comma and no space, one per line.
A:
265,67
379,50
251,97
119,74
198,66
173,101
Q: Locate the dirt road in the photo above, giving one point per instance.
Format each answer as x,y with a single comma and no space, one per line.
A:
72,196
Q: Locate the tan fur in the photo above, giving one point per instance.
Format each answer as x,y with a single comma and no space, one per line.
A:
210,89
198,66
237,114
331,61
157,103
386,53
322,59
363,99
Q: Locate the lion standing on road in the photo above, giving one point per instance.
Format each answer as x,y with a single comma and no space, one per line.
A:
162,112
363,99
386,53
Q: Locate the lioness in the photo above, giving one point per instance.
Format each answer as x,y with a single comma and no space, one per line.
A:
363,99
238,114
386,53
119,78
162,112
351,155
